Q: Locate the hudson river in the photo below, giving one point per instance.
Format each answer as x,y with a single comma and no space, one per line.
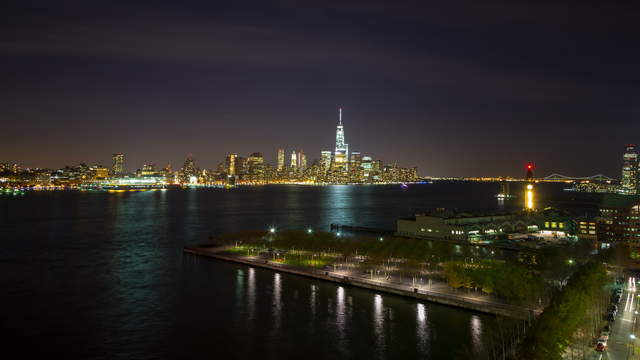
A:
103,276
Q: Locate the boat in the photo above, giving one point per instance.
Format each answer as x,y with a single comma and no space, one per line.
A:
505,192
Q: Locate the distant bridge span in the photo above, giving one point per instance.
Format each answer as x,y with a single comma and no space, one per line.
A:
560,177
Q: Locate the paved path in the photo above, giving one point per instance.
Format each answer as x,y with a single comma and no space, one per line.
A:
440,293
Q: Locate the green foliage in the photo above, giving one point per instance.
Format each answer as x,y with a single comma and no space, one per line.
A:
508,280
413,250
554,329
462,265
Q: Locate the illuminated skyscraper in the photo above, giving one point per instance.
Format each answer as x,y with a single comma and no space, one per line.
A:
629,181
294,160
325,160
118,164
303,161
255,167
230,164
356,159
341,154
367,166
189,172
241,166
280,167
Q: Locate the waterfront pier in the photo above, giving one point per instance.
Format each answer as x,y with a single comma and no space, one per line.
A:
440,296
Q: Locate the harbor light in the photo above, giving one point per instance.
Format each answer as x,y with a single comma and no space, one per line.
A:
338,234
528,204
272,230
381,238
309,231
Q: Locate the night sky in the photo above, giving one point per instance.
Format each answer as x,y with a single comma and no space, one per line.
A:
457,88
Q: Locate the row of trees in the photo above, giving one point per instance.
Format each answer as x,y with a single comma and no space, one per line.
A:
512,281
382,248
568,312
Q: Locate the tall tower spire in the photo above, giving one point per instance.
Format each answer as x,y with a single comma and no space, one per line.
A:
340,146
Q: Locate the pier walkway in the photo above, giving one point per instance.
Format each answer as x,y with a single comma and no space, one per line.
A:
441,294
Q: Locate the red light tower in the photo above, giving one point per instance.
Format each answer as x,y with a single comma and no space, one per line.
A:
529,168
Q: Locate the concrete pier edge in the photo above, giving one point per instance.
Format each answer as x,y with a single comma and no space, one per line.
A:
512,311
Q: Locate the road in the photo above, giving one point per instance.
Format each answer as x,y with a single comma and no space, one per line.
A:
624,328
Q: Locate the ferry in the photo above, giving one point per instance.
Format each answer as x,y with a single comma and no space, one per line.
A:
504,193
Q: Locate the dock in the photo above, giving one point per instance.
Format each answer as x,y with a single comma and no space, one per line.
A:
455,300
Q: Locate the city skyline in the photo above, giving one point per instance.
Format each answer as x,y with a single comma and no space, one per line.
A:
453,91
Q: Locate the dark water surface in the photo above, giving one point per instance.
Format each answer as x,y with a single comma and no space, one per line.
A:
103,275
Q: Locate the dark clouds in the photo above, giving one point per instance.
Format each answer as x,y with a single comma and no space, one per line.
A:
460,88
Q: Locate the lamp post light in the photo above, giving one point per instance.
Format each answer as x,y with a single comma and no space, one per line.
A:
309,231
272,230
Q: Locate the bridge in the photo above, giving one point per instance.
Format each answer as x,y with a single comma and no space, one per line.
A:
560,177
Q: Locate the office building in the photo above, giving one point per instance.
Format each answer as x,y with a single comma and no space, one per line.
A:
118,164
280,167
325,160
230,164
619,220
629,180
301,161
341,154
294,161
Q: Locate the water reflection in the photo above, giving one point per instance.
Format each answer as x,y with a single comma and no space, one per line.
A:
239,287
251,294
422,328
476,334
277,301
312,300
341,318
339,199
142,292
378,324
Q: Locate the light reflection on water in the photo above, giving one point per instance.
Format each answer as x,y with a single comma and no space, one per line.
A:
341,316
476,333
251,294
313,300
117,261
277,301
422,328
378,324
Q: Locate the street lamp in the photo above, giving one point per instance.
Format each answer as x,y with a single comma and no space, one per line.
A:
309,231
381,238
272,230
338,234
